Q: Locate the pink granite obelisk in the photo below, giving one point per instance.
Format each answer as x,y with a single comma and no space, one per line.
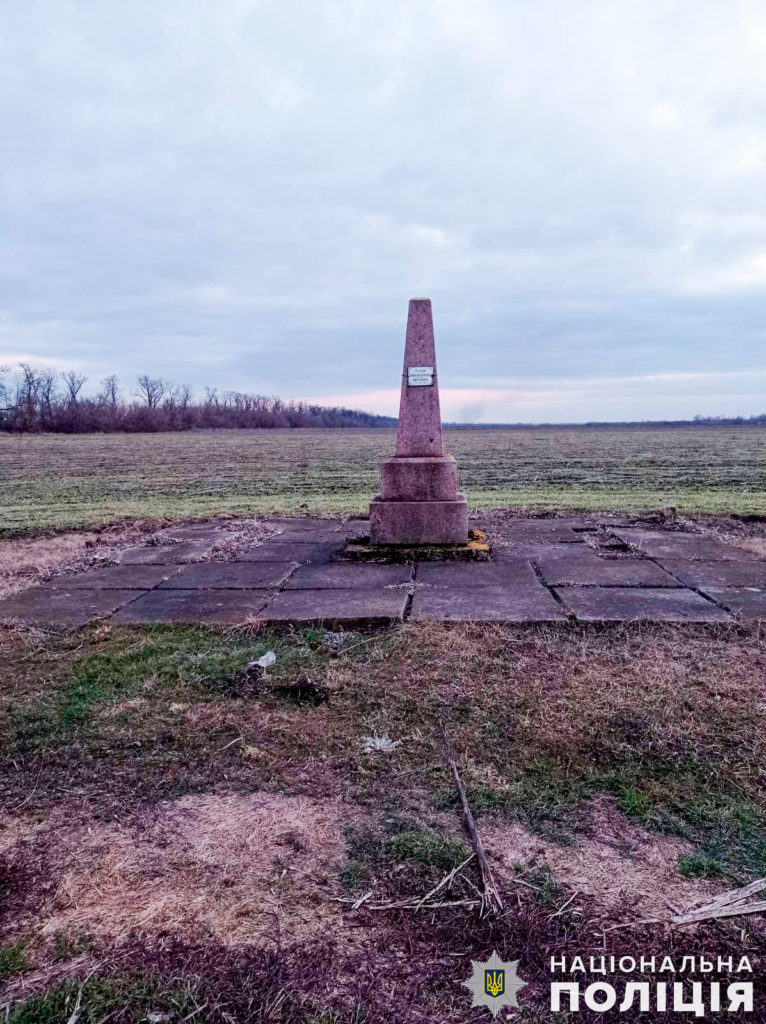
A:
419,502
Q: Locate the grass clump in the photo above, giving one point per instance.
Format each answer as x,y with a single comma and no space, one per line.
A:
405,841
548,893
429,849
98,999
13,959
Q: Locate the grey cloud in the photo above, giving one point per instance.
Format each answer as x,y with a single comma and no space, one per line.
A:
245,193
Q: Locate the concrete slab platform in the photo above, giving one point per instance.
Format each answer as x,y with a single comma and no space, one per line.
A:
517,603
348,576
674,544
297,577
205,606
62,608
592,570
717,574
165,554
514,572
621,604
114,577
368,607
304,553
744,602
231,576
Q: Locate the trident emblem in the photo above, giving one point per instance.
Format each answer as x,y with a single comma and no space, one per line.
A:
494,983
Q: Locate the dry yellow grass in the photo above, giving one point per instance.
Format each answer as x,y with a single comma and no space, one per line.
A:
256,868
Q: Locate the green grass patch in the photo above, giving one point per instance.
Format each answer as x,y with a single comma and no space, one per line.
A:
158,663
99,999
429,849
548,893
13,959
409,842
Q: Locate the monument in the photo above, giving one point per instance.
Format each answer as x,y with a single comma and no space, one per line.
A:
419,502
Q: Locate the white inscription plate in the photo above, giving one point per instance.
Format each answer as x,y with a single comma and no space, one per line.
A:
420,376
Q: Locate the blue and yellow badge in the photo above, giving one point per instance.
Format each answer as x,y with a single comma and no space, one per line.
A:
494,983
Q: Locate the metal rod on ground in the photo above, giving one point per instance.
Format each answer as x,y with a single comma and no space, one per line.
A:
491,896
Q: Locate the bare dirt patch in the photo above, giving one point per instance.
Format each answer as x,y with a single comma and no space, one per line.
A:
242,869
14,829
26,561
629,873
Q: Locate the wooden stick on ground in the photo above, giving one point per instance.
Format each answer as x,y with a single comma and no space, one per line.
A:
730,904
491,897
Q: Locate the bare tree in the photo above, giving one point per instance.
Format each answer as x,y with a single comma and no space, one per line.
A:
151,390
27,392
5,387
73,382
110,391
47,393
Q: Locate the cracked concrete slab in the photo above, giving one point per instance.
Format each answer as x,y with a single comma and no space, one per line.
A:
348,576
477,574
744,602
592,570
231,607
718,574
115,577
621,604
230,575
68,608
358,607
515,603
675,544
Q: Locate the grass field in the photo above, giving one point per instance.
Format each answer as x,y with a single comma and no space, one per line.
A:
56,481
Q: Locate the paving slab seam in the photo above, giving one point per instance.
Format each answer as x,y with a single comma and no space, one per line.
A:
571,617
139,594
411,596
689,586
277,592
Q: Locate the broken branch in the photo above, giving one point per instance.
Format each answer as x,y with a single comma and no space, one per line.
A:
491,897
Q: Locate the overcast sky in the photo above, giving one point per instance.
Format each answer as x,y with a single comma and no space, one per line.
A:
246,193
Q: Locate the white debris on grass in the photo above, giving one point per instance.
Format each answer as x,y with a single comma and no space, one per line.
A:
265,661
379,744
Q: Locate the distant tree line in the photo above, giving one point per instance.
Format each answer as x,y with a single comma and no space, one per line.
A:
698,421
45,401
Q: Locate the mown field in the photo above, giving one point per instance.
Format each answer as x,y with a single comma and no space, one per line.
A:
54,481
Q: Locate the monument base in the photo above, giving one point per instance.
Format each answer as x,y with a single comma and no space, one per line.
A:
419,478
419,522
476,549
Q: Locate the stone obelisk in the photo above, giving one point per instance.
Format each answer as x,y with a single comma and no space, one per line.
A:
419,502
